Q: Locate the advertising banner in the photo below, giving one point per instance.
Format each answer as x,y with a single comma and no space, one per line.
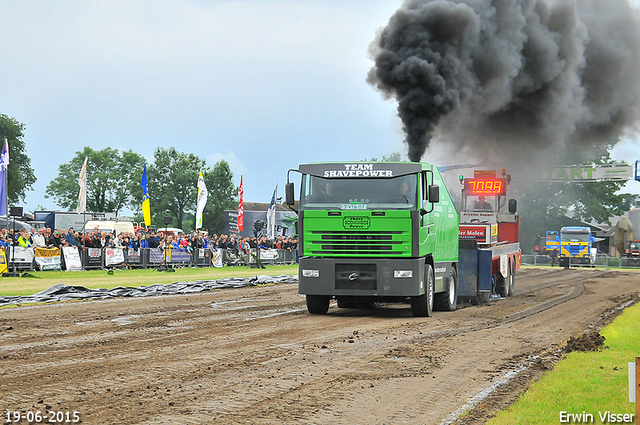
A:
113,256
48,258
3,261
92,257
177,256
269,254
20,254
155,255
72,260
216,258
483,233
133,256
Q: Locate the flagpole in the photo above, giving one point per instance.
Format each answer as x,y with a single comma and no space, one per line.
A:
6,182
195,214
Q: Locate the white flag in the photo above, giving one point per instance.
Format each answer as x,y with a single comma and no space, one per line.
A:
271,215
202,200
82,181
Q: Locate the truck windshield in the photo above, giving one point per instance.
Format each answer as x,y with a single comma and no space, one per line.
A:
575,236
359,194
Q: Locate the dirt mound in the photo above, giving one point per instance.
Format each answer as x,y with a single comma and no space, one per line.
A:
591,341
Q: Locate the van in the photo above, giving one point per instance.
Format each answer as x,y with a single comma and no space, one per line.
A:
169,231
109,226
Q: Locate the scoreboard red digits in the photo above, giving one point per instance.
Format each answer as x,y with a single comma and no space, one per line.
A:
487,187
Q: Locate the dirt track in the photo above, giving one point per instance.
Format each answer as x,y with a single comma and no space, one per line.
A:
255,356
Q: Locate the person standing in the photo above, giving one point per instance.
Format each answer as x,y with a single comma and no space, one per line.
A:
55,240
38,239
23,239
153,240
554,256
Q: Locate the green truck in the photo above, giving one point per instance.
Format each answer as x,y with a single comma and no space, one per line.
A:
376,231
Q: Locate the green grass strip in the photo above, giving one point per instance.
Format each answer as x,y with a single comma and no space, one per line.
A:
92,279
591,382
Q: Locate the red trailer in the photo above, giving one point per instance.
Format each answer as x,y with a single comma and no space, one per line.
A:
489,231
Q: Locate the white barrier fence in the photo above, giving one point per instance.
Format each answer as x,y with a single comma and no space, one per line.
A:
604,261
73,258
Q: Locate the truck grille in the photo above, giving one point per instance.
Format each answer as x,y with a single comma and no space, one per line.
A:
358,243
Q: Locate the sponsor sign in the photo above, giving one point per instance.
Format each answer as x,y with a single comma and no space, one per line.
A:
359,170
72,260
177,256
48,258
133,255
92,257
3,261
20,254
113,256
356,222
268,254
468,217
216,258
155,255
486,233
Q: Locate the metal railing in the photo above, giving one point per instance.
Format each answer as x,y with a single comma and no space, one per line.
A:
602,260
108,258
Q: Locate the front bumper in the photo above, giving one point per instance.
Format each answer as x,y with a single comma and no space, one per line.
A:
361,277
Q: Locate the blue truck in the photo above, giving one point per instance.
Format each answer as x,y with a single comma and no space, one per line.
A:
576,246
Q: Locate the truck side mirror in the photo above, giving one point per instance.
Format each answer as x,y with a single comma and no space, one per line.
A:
434,193
289,194
513,205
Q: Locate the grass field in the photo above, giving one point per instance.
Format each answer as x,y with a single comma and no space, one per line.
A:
592,382
39,281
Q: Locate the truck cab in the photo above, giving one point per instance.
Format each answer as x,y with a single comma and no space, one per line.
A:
576,244
376,231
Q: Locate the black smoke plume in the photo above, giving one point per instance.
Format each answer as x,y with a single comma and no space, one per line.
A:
511,77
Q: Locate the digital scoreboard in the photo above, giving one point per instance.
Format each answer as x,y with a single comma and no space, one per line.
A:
485,186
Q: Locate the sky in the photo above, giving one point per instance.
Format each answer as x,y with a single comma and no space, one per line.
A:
265,85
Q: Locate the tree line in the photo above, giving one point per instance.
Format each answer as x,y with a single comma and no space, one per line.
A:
113,181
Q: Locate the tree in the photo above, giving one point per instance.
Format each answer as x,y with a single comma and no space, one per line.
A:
223,195
549,206
392,157
113,180
20,174
173,179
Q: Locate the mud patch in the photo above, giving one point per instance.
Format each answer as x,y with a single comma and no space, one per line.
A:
591,341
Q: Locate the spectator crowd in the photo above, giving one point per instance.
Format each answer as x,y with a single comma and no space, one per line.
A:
57,238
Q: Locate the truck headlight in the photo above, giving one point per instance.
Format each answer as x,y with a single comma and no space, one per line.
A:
402,274
310,273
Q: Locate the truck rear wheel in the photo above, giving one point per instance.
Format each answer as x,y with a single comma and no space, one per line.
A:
422,305
447,301
318,304
512,279
502,284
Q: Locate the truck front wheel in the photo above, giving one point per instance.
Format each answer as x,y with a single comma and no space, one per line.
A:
318,304
422,305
